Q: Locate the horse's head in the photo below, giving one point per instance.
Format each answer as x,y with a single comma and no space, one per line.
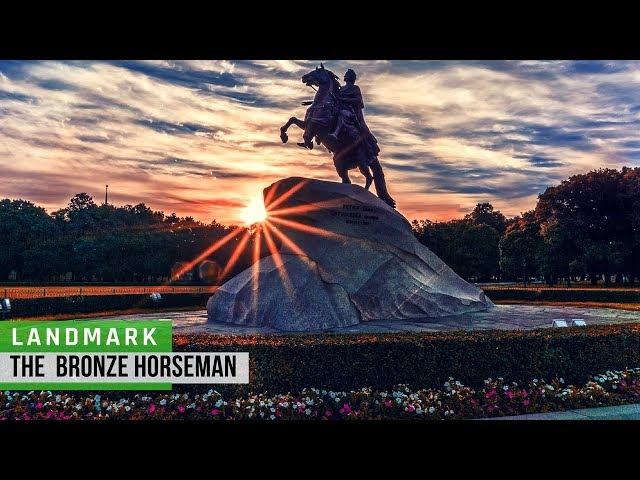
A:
320,77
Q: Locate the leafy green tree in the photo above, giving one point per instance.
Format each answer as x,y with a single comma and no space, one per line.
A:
522,248
484,214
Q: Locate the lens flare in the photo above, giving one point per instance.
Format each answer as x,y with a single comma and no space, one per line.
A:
254,212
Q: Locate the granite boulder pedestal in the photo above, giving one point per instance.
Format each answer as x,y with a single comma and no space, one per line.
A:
346,258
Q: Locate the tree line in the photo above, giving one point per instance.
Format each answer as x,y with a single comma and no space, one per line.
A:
86,242
588,227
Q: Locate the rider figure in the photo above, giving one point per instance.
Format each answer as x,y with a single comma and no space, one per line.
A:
350,98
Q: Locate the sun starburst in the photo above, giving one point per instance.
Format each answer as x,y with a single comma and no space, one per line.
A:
265,223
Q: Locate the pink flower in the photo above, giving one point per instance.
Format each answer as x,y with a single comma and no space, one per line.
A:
346,409
152,408
526,402
491,393
328,413
181,408
388,403
410,408
509,394
215,411
39,406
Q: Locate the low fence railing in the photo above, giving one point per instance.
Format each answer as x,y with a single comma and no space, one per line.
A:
85,291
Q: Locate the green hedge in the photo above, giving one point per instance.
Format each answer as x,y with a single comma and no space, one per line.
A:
34,307
423,360
561,295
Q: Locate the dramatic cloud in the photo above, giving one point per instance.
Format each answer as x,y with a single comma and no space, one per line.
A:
201,138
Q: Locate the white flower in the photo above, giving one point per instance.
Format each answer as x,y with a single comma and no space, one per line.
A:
431,409
163,401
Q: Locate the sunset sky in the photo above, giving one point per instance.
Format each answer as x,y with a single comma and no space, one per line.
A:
201,138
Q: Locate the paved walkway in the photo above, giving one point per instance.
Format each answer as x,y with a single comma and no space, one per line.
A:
501,317
622,412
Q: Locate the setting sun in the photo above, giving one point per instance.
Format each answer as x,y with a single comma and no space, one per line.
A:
254,212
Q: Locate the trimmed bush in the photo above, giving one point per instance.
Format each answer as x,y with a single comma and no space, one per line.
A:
563,295
33,307
424,360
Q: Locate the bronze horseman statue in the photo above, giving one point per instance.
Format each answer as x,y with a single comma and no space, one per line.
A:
335,120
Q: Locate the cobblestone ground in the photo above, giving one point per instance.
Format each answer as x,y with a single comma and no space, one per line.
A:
501,317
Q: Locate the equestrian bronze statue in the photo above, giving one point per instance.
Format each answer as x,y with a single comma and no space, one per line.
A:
335,120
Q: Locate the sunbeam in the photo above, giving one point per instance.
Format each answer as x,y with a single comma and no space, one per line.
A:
215,246
305,228
286,240
285,195
235,255
256,267
303,208
279,262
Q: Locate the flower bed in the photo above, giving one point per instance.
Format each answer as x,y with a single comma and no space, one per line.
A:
453,401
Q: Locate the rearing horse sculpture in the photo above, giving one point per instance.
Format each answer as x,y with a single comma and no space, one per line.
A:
349,148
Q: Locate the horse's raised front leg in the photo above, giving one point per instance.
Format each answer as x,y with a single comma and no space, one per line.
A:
292,121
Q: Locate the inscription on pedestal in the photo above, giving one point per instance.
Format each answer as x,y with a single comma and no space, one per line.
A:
355,214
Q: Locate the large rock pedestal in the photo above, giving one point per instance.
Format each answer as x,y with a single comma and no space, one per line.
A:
349,258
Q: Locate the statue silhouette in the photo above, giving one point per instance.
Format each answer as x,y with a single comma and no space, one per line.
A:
335,120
